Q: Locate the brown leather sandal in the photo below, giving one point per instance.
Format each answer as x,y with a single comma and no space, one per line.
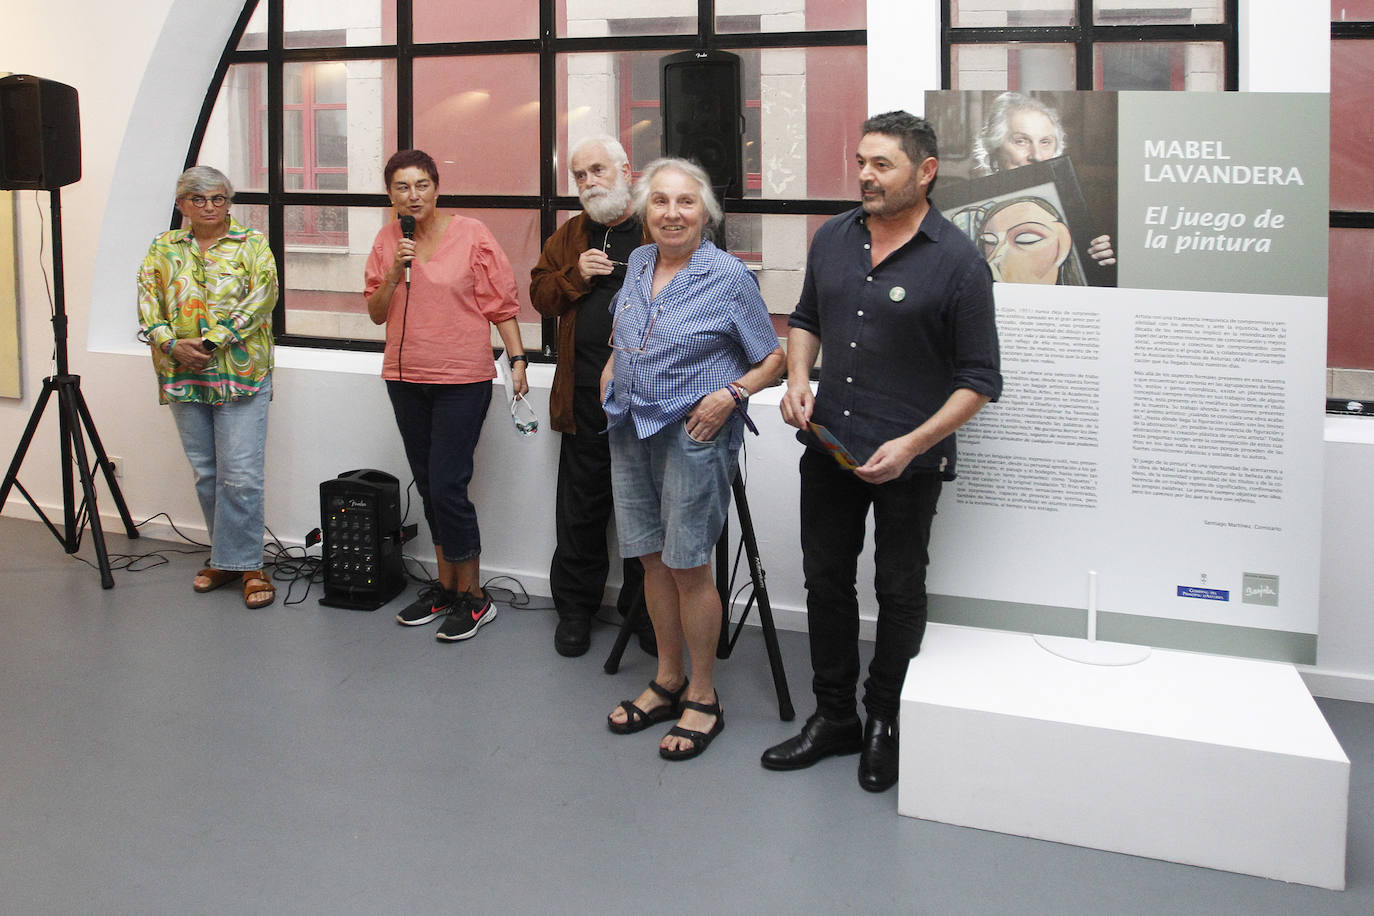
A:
214,578
258,590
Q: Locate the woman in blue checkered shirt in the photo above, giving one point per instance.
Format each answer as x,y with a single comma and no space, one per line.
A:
690,340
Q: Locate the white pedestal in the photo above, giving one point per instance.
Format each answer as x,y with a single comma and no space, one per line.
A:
1206,760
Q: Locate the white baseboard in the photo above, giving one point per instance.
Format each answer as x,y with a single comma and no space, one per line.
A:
111,523
1335,685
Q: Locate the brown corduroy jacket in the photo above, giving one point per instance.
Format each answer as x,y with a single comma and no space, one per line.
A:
557,290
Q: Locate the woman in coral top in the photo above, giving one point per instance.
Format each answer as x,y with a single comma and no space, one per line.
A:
438,286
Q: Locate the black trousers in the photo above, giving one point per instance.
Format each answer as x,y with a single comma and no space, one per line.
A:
439,427
834,512
583,508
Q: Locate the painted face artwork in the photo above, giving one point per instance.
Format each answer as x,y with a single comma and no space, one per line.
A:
1025,241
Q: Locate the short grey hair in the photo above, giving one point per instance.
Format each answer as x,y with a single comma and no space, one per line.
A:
714,214
996,128
202,179
608,143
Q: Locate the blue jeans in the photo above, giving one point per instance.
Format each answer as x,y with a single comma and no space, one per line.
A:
227,448
834,512
439,427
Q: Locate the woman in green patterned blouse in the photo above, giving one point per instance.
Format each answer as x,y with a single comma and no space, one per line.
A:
205,298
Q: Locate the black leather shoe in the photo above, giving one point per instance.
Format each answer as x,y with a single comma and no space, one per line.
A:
819,738
878,761
573,636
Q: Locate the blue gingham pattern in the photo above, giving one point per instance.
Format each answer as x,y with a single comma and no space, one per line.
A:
709,326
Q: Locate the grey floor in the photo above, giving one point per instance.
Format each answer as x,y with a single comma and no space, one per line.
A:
166,752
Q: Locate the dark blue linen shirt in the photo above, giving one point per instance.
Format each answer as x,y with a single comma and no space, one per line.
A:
897,339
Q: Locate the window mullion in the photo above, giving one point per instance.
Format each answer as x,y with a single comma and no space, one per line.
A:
405,74
1231,45
1083,47
548,140
706,23
276,160
946,45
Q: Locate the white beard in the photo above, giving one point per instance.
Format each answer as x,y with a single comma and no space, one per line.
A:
607,205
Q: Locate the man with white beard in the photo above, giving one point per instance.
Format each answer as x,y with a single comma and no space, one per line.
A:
578,275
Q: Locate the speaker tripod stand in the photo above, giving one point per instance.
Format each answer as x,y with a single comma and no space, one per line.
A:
75,426
724,585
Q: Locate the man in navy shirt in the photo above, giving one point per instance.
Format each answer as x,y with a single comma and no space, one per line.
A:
901,302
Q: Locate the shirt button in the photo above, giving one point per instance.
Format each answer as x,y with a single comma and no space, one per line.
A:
861,313
853,344
846,413
866,246
849,378
868,279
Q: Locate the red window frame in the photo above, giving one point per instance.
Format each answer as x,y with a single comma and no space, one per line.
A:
311,230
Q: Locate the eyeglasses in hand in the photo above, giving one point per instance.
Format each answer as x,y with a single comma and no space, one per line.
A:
648,329
606,247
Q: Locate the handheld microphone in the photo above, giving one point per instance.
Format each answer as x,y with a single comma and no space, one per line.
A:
408,230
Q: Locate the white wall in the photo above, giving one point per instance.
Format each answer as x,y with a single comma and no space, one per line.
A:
1284,47
140,65
903,53
1345,630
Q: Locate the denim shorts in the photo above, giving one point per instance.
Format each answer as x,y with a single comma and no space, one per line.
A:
671,492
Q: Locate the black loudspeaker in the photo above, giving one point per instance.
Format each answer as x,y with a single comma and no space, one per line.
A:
360,517
703,114
40,134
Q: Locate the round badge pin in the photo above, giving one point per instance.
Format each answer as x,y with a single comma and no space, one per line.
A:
896,294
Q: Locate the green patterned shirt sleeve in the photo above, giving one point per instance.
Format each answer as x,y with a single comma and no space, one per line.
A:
225,295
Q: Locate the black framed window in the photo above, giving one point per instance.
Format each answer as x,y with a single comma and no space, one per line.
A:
1090,44
1350,314
312,96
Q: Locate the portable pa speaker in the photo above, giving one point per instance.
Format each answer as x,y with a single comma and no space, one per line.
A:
703,114
40,134
360,513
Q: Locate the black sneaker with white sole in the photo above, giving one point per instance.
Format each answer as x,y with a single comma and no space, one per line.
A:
469,612
433,601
